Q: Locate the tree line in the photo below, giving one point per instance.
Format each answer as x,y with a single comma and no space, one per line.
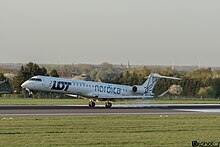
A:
198,83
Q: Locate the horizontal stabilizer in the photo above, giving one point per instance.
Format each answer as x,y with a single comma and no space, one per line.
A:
165,77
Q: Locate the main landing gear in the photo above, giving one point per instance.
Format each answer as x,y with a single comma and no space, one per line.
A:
91,104
108,104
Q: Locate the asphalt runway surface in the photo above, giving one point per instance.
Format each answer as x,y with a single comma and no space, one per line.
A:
84,110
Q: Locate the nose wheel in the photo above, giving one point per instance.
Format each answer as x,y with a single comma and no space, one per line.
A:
108,105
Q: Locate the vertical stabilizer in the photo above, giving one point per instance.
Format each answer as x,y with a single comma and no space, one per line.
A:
151,81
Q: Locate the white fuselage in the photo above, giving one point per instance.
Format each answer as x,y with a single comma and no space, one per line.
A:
78,87
95,90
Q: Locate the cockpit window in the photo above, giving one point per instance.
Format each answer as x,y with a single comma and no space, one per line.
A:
35,79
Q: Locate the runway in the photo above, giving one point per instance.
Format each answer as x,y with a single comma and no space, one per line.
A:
84,110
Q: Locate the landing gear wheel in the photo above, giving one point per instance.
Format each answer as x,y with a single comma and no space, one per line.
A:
108,105
92,104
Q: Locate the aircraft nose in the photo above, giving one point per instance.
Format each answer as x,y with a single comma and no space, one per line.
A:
24,85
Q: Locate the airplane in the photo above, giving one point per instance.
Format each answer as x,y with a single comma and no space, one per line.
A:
95,91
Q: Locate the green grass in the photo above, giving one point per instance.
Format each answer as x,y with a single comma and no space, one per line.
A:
31,101
152,130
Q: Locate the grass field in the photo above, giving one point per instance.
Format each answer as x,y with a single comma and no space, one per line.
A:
152,130
31,101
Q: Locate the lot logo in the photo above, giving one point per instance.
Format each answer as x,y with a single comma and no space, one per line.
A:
59,85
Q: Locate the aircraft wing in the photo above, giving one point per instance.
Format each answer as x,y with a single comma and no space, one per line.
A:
125,97
116,97
72,95
112,97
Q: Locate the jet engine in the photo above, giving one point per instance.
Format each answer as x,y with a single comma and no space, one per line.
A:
138,89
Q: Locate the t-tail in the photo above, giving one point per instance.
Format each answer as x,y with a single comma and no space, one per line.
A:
150,83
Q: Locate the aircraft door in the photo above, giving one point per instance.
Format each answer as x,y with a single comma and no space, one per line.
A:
46,83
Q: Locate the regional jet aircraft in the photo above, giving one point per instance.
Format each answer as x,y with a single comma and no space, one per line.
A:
94,91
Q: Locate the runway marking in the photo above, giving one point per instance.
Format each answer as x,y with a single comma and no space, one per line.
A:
201,110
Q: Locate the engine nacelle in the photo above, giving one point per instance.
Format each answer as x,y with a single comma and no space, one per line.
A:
138,89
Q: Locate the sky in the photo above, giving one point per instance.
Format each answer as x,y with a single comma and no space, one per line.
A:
143,32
